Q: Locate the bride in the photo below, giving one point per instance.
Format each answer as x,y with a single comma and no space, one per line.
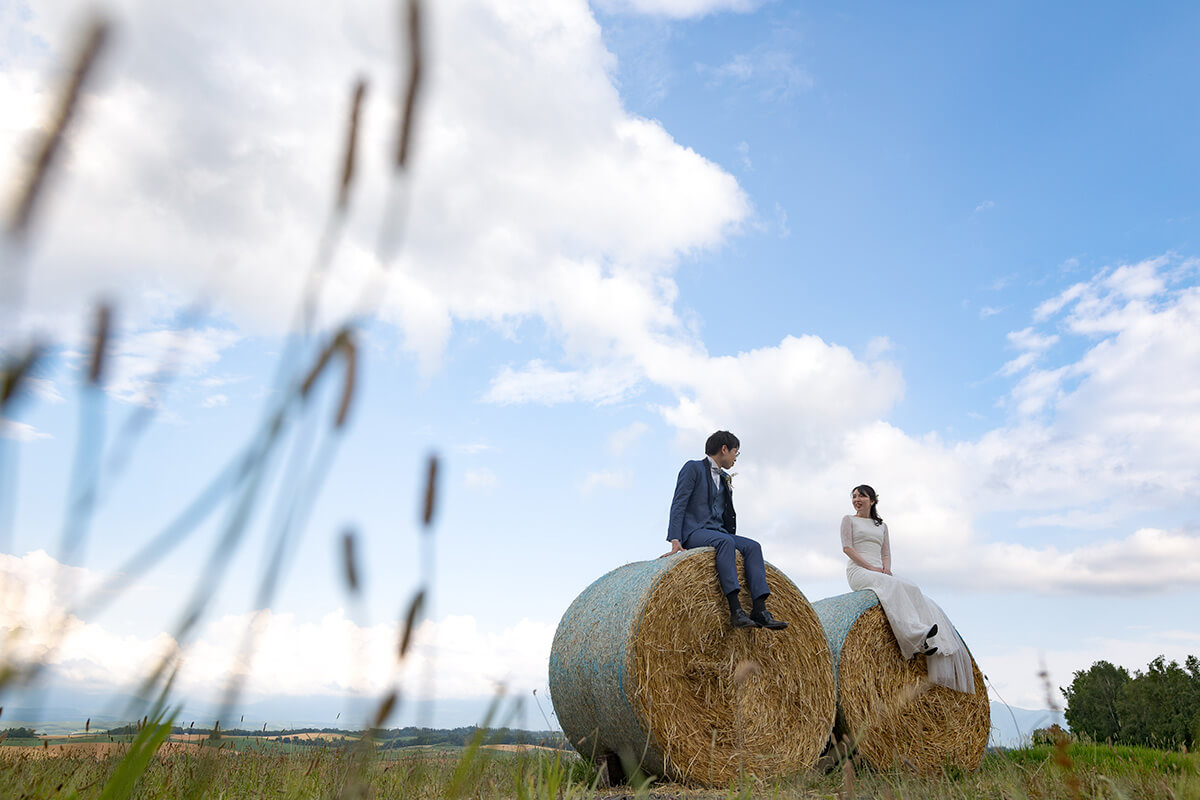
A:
920,626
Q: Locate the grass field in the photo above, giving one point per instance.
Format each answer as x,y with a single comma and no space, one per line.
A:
233,770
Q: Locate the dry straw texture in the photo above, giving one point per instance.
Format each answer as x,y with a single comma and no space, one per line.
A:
645,665
886,704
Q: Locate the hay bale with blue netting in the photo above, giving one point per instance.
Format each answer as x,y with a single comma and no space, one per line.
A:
887,707
646,667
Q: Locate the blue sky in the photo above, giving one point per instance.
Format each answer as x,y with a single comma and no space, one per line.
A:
951,252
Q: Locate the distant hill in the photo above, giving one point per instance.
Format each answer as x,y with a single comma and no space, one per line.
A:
1011,727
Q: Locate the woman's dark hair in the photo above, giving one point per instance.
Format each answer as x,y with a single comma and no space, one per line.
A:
719,439
869,493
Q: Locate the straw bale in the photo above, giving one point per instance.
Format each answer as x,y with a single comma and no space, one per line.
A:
886,705
645,666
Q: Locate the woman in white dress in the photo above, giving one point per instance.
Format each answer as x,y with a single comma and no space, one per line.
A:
920,626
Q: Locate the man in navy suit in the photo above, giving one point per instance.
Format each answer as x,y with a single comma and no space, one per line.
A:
702,516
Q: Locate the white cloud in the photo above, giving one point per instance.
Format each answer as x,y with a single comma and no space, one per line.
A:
984,206
217,381
1028,339
775,73
537,383
622,440
989,311
743,150
293,656
1113,427
482,478
213,179
193,155
1075,518
1052,306
679,9
44,389
1019,364
1150,560
21,431
606,479
781,222
799,393
216,400
141,364
878,346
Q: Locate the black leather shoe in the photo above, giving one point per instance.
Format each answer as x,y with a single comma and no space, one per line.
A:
765,620
928,651
740,619
932,632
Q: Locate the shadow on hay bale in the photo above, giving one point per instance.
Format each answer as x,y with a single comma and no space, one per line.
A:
646,666
885,704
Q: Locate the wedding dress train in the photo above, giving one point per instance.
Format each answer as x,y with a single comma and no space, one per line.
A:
910,613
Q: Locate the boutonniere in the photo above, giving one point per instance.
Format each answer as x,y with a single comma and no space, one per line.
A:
729,479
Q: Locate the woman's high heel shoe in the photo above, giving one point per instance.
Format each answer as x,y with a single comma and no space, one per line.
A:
926,649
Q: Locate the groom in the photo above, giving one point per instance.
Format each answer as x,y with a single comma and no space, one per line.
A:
702,516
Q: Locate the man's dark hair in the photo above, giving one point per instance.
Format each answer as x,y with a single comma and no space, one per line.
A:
719,439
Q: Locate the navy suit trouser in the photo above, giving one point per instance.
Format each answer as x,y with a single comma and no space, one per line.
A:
727,547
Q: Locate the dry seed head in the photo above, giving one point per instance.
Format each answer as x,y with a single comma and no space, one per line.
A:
385,709
745,670
430,491
99,343
10,378
360,90
342,344
412,26
349,560
410,620
350,352
93,41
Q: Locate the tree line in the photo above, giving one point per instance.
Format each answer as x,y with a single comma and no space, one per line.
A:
18,733
1155,707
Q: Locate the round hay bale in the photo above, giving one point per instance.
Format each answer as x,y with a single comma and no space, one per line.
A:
886,705
646,667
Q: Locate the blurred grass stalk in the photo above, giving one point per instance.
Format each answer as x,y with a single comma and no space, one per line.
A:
241,485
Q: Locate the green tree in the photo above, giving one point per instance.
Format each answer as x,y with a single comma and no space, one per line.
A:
1156,707
1092,701
20,733
1051,735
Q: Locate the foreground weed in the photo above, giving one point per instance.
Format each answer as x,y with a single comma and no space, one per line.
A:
121,784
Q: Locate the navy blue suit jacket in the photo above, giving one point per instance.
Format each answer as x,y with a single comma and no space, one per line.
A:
691,507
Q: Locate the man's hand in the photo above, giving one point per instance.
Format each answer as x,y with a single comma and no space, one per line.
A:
675,548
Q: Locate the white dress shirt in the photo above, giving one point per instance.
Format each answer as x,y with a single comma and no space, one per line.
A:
715,471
